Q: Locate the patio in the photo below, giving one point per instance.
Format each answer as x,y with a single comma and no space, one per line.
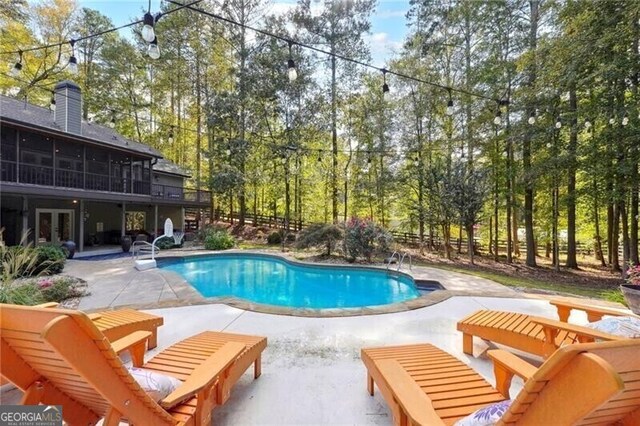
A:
312,373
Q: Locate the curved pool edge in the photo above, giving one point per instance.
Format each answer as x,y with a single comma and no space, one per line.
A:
193,297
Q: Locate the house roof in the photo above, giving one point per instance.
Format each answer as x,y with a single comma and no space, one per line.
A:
166,166
21,112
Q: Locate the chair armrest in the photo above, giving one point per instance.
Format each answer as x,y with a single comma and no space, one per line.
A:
505,366
594,313
206,374
95,316
47,305
415,406
585,334
135,343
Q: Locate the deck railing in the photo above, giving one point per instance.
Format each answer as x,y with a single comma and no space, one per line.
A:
10,171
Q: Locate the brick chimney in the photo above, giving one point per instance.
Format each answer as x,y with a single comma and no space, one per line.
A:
68,113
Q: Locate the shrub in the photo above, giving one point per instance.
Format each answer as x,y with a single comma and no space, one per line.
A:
19,293
363,237
218,240
51,259
165,243
320,235
18,261
57,289
274,238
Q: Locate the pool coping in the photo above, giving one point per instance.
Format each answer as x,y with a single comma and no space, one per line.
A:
193,297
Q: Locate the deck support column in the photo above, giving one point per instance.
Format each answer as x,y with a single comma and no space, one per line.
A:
155,221
25,218
81,234
182,219
123,219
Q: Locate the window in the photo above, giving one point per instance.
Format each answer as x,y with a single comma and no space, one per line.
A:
8,144
135,221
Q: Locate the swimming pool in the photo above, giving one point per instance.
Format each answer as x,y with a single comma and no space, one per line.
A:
273,281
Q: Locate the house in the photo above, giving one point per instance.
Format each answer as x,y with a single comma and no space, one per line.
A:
64,178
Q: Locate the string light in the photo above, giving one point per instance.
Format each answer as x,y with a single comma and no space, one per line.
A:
228,152
153,50
73,62
498,118
587,124
148,33
16,69
612,120
112,123
385,86
170,138
450,111
291,66
52,103
532,118
558,123
625,119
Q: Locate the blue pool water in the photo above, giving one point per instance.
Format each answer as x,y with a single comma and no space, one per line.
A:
275,282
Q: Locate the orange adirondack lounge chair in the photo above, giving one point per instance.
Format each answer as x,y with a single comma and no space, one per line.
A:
581,384
59,357
531,334
115,324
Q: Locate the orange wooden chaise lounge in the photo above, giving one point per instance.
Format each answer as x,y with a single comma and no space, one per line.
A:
531,334
580,384
60,357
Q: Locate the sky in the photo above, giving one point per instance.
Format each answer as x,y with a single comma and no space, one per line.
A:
388,24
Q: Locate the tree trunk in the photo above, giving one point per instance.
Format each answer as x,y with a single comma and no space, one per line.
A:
572,261
334,137
596,219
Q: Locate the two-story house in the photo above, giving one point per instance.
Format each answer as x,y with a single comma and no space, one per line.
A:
63,178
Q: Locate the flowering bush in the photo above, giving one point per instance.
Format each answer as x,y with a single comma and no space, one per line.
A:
363,237
633,275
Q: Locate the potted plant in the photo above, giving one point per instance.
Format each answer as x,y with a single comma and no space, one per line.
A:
631,288
126,243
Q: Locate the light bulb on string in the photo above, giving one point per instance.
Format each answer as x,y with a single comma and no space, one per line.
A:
292,73
148,33
112,123
587,124
625,120
450,110
385,86
170,138
154,50
73,61
532,118
228,152
16,69
52,103
558,123
498,118
612,120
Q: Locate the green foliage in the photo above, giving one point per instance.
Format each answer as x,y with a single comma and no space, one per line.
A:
275,238
19,261
320,235
218,240
32,291
21,293
51,259
363,238
165,243
58,289
614,296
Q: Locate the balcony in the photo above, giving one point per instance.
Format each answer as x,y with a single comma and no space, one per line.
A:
10,171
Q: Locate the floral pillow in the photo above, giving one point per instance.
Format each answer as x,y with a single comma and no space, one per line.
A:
485,416
618,326
156,385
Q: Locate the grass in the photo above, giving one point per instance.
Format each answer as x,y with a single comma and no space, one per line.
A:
530,283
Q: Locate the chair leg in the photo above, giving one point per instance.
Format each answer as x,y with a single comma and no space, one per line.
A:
467,344
153,339
257,367
112,418
33,394
370,384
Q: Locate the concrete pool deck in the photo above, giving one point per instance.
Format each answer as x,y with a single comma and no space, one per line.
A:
312,373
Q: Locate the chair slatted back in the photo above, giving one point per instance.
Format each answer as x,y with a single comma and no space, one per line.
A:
62,353
582,384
